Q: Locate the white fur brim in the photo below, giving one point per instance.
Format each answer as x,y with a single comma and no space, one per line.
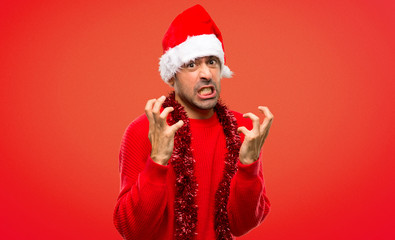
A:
192,48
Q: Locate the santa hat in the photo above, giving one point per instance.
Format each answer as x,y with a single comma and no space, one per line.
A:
191,35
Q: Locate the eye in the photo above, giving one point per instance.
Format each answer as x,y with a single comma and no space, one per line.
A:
191,65
212,61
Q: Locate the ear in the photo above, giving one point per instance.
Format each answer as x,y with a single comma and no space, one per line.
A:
171,82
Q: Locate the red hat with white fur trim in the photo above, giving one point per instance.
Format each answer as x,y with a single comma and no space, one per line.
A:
191,35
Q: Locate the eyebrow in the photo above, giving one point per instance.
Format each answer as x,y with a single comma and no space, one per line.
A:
199,58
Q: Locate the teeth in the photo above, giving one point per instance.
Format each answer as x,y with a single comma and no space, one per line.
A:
205,91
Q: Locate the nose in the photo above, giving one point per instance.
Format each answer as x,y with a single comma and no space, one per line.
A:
204,72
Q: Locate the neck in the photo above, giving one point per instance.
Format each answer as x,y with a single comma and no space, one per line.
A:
200,114
193,112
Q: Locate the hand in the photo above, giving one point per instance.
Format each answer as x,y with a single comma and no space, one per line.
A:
254,139
160,134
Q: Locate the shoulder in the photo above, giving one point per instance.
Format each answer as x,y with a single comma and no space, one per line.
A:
135,147
138,124
137,129
242,121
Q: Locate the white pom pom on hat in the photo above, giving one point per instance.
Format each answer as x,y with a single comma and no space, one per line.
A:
191,35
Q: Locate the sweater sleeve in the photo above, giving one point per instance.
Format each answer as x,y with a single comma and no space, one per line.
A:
142,199
248,204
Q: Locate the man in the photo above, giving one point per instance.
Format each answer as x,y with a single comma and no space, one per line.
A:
186,173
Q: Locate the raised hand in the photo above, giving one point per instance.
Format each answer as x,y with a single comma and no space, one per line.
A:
254,139
160,134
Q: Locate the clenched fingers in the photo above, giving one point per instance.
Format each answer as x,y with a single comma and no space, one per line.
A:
152,110
166,112
243,130
160,134
267,122
148,110
258,129
255,121
176,126
157,106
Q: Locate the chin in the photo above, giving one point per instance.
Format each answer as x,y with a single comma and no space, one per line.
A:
208,105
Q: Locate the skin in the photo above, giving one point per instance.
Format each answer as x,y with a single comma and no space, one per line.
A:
193,76
202,72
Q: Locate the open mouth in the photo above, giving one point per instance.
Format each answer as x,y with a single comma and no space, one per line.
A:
206,92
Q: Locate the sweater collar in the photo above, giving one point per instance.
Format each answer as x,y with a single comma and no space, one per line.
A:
209,122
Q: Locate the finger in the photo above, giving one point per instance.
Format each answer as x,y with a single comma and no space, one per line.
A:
177,126
158,105
243,130
265,127
166,112
265,110
255,121
265,132
267,122
148,109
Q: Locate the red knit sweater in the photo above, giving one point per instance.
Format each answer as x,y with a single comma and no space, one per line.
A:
145,207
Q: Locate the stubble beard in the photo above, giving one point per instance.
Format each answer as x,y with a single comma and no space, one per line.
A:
193,101
206,104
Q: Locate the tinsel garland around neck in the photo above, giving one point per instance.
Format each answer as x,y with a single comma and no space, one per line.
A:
183,162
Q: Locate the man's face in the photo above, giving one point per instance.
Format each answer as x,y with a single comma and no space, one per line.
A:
198,84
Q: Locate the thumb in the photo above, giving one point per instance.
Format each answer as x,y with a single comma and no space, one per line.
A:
177,125
243,130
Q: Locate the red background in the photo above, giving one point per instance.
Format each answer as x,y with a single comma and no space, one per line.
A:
74,74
